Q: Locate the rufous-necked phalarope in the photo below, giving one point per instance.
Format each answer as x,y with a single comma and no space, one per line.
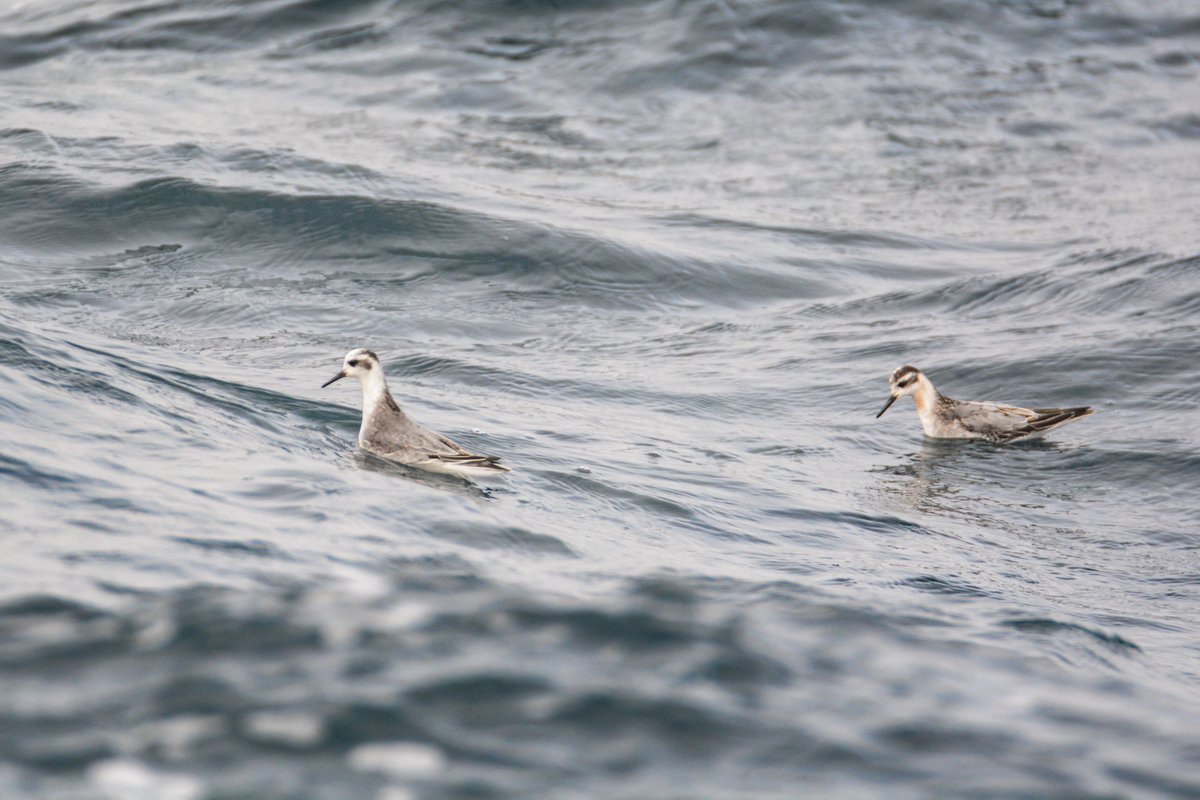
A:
388,432
946,418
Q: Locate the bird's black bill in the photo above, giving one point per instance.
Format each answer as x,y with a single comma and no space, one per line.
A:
337,377
886,406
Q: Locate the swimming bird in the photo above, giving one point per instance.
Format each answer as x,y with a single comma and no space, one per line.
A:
946,418
388,432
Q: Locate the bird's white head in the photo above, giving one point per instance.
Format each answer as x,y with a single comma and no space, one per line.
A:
360,363
905,380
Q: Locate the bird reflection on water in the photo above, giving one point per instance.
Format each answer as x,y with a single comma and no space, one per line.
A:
962,479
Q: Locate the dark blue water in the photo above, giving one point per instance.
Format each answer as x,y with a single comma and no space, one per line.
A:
661,257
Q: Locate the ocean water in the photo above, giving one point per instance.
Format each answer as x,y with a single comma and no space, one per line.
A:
661,257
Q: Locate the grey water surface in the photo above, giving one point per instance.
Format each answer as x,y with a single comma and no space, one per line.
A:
661,257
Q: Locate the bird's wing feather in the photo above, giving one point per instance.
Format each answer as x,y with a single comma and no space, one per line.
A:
1003,423
991,419
410,443
471,460
1048,418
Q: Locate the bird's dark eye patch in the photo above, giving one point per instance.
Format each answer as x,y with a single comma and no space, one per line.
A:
353,363
904,384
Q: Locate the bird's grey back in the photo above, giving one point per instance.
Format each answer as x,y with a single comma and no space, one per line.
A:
392,431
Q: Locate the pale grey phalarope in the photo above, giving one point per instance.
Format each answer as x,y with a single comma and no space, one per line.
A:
388,432
946,418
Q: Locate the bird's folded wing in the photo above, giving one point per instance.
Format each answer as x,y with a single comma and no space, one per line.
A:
994,420
1047,418
469,460
1003,423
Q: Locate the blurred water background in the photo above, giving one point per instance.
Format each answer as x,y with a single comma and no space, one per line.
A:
660,256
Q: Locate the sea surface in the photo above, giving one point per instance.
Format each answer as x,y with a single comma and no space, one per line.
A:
661,257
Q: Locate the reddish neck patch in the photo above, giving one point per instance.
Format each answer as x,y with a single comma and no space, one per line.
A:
923,400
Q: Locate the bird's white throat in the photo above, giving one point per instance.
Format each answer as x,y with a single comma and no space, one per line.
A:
375,398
